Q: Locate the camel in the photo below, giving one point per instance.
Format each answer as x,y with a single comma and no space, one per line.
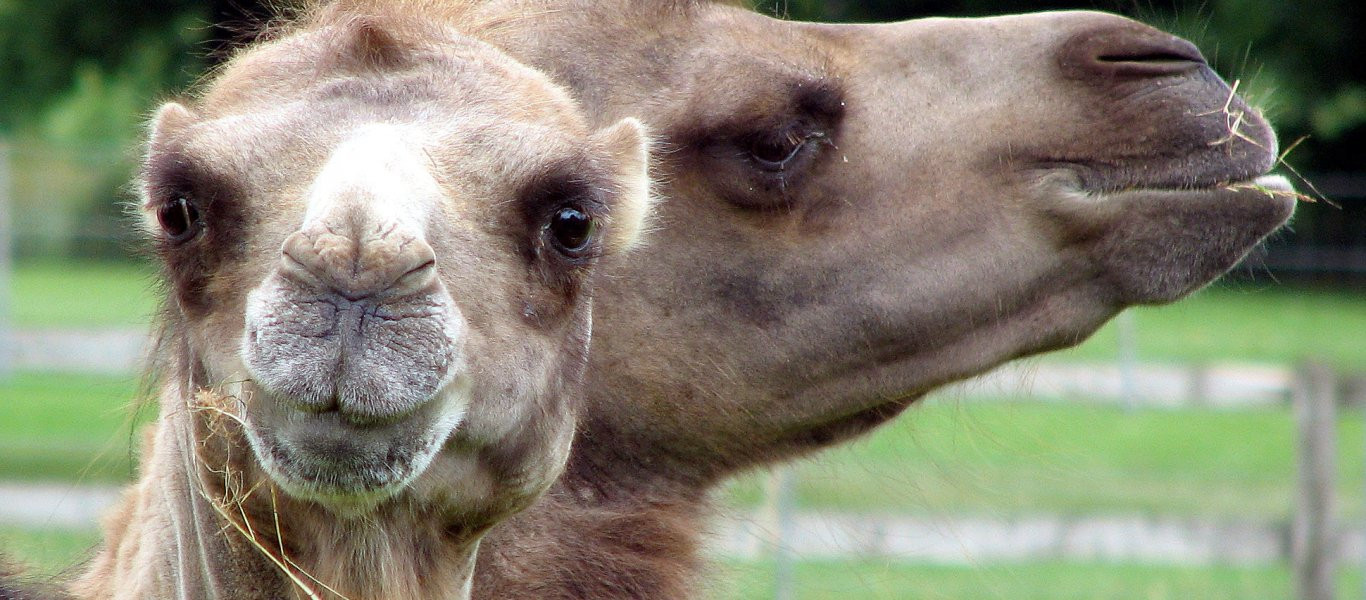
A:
851,217
379,237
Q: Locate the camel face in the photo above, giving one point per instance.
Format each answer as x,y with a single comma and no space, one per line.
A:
382,245
856,214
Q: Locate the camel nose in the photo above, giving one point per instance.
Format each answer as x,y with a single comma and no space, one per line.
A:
1126,50
357,257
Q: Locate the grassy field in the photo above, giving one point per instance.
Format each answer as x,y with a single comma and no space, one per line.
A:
77,294
952,456
48,552
67,427
880,580
949,455
58,553
1264,323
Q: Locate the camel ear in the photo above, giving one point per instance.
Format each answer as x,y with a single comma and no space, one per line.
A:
171,117
629,146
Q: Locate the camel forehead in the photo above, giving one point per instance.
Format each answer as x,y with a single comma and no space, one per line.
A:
385,166
273,150
439,71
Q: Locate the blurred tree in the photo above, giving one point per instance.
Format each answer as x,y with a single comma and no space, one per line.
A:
82,71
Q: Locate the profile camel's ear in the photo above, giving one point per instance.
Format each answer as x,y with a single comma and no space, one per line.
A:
629,146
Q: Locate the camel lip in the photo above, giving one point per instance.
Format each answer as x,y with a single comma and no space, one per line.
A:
329,458
1190,172
1080,178
1274,187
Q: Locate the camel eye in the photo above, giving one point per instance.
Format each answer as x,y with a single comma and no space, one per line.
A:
773,154
179,218
572,230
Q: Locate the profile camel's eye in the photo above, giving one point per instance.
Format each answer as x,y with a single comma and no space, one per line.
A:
179,218
572,229
774,153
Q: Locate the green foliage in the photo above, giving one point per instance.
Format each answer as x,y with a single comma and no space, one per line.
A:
77,79
107,103
83,71
57,294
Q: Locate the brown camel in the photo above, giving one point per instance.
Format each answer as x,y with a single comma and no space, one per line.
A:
853,216
379,236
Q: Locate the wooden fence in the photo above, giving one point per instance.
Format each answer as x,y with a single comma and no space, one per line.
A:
1317,536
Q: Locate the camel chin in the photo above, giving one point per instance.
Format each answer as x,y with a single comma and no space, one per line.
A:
345,466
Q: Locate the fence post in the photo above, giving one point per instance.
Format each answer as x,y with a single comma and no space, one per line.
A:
1128,359
7,354
1313,542
780,512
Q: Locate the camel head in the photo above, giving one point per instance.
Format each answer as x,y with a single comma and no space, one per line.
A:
380,237
857,214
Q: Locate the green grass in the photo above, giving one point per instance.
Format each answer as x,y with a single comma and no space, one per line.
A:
948,455
880,580
67,427
59,553
82,294
1269,324
999,458
48,552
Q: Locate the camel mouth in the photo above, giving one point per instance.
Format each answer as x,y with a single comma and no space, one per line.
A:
345,464
1271,184
1275,189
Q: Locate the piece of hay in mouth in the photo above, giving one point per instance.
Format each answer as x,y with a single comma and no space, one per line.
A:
1271,192
1274,186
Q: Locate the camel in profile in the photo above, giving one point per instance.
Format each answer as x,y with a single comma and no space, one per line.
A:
852,216
379,237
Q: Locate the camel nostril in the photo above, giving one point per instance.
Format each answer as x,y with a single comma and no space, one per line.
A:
416,278
1128,50
1155,55
388,266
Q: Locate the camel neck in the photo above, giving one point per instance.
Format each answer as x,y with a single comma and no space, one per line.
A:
166,540
202,523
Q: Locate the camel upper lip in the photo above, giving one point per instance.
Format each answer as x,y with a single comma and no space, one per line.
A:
1270,183
1105,179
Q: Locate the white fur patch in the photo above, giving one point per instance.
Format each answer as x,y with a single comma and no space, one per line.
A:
629,146
381,169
